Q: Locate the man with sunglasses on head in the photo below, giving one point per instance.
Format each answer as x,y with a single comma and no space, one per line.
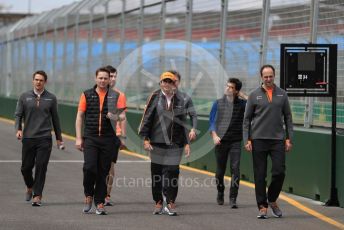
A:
188,105
165,136
38,109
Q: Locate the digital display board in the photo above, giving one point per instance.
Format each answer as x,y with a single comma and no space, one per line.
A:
308,69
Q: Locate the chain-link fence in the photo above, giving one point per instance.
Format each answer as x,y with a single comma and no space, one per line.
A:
145,37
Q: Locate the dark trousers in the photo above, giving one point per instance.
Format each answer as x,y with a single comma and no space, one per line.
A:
222,152
164,178
261,150
98,154
165,171
35,153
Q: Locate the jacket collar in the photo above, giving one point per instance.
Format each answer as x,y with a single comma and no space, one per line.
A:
95,87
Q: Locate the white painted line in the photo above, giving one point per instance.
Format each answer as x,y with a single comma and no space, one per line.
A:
76,161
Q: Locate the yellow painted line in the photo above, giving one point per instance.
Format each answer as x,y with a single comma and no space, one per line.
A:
245,183
311,212
135,154
69,137
8,121
283,197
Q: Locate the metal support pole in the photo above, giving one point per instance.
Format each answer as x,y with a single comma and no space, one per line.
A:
162,36
224,10
35,56
65,55
27,53
140,31
76,55
264,32
21,62
54,73
44,56
188,38
104,35
90,42
18,60
139,58
121,51
333,200
309,101
9,81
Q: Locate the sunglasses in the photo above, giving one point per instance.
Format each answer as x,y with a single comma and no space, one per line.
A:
167,80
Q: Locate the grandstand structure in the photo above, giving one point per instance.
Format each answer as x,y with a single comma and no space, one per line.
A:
72,41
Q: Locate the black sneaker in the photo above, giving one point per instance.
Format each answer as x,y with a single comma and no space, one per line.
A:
36,202
88,204
232,203
220,199
263,212
276,211
28,194
100,210
170,209
158,208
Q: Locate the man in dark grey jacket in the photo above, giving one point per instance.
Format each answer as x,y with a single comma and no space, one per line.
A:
266,112
38,109
163,128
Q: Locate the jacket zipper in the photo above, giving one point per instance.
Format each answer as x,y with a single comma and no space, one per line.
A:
267,95
172,103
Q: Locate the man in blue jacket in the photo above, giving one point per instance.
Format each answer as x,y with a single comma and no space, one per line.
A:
226,119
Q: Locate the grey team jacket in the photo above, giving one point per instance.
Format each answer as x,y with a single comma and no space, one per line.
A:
38,115
264,119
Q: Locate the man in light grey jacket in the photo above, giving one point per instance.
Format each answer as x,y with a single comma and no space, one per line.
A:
38,109
267,110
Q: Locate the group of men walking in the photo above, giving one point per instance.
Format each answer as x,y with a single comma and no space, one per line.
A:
256,119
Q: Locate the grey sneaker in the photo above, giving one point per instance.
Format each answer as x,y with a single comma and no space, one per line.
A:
108,201
28,194
158,208
100,210
263,213
170,209
88,204
276,211
232,203
219,198
36,202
